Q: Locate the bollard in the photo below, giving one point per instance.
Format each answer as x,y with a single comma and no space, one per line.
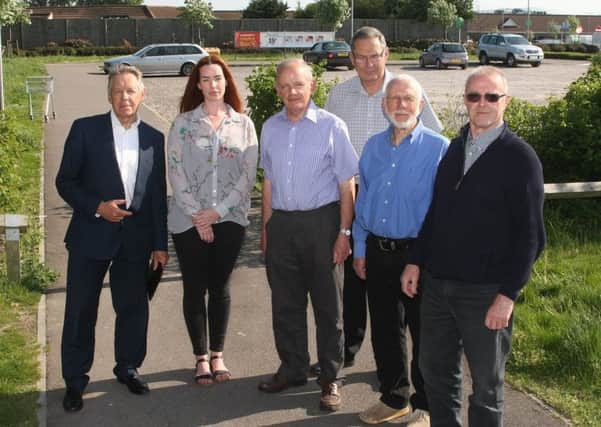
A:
13,225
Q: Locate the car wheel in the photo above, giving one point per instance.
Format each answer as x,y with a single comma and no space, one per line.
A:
464,66
350,67
440,65
483,58
510,60
187,69
535,64
422,63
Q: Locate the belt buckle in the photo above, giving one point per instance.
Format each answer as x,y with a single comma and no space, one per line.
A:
386,245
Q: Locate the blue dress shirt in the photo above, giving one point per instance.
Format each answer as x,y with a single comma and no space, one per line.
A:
396,184
306,160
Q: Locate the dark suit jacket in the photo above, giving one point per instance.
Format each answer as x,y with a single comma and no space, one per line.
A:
89,174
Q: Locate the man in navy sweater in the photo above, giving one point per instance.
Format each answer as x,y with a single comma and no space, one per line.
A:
475,251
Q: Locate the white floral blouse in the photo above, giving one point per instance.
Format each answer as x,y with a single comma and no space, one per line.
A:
210,168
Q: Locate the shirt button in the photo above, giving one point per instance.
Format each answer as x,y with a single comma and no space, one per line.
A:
394,165
383,219
385,202
289,163
388,183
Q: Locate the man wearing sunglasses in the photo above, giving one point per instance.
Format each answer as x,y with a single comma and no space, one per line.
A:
358,102
482,234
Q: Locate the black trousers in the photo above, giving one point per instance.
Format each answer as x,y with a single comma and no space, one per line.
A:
130,302
354,310
206,268
299,263
391,311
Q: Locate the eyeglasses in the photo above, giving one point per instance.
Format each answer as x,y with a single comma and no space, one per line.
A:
362,59
490,97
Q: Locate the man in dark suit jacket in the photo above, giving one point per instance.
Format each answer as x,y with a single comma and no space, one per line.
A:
113,176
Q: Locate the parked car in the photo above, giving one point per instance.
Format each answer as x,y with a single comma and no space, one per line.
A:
335,53
512,49
444,55
170,58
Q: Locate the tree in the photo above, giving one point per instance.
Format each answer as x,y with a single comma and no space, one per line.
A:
265,9
371,9
333,13
408,9
198,13
11,12
442,13
309,12
573,23
554,28
104,2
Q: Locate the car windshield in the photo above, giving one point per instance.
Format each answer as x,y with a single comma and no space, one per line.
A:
141,51
517,40
452,48
336,46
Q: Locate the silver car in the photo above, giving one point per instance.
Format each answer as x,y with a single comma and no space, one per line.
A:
444,55
169,58
512,49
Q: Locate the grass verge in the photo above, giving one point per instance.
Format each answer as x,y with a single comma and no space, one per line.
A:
557,339
20,164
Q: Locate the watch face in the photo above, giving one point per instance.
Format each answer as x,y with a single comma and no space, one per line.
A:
345,231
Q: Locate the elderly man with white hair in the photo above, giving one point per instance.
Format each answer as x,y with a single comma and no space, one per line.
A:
397,171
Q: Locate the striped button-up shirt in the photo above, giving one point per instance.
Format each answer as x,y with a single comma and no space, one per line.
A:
306,160
363,113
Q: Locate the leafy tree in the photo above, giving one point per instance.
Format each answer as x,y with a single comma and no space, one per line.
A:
371,9
309,12
573,23
106,2
11,12
465,8
265,9
198,13
408,9
333,13
554,28
442,13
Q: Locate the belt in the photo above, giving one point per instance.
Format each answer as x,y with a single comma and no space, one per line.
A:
386,244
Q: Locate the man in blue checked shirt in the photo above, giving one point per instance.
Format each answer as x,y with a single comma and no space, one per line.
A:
397,170
309,166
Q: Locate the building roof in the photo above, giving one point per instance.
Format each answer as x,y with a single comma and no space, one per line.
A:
487,22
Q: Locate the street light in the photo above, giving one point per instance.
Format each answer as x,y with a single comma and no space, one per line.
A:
352,17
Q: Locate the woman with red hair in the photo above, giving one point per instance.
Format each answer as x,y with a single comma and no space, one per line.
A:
212,154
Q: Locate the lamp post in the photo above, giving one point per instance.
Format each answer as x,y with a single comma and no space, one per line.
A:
1,74
352,18
528,22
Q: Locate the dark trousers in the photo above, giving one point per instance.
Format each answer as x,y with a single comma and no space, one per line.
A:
452,319
299,263
130,302
354,310
391,311
206,267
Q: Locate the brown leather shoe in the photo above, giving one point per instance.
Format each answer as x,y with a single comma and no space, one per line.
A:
278,383
330,398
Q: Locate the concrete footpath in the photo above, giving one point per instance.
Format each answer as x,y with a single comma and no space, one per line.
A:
250,354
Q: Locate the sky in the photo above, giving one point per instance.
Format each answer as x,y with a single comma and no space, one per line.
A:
568,7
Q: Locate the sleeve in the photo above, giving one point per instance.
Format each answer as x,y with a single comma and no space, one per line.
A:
359,230
178,177
525,198
429,117
265,159
159,198
346,161
68,179
246,182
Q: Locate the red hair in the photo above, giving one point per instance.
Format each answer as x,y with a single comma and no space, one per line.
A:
193,96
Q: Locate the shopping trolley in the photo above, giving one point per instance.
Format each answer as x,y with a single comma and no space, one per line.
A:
43,85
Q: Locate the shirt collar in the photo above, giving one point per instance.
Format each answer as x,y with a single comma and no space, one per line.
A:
310,114
412,136
230,112
117,124
485,139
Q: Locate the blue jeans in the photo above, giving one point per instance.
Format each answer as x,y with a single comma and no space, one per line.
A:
452,322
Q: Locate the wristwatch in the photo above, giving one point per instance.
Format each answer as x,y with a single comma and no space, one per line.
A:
346,232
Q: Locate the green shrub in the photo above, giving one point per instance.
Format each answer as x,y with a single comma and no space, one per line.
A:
10,153
566,133
77,43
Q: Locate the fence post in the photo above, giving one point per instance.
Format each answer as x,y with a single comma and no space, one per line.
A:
13,224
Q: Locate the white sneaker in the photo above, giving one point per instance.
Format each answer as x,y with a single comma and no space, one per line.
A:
418,418
380,413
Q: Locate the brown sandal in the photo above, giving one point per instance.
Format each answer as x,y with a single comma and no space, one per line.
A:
208,377
219,375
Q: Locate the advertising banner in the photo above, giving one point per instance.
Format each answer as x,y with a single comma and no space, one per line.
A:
247,40
280,39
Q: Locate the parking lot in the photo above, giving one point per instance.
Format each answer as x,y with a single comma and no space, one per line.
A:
442,86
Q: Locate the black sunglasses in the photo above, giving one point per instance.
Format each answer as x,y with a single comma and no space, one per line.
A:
490,97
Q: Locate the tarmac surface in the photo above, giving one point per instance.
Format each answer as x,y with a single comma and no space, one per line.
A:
250,353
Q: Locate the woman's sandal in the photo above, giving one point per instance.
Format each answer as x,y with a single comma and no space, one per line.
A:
207,377
219,375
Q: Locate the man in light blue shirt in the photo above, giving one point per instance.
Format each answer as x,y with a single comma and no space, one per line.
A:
309,166
396,170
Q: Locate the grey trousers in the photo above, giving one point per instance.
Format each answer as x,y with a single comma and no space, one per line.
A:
299,263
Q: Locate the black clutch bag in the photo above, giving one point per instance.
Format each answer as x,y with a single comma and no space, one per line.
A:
153,277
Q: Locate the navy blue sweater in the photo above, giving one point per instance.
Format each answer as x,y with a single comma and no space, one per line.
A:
485,226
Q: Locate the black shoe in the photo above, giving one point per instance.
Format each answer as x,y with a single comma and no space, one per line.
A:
133,382
72,402
278,383
315,369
